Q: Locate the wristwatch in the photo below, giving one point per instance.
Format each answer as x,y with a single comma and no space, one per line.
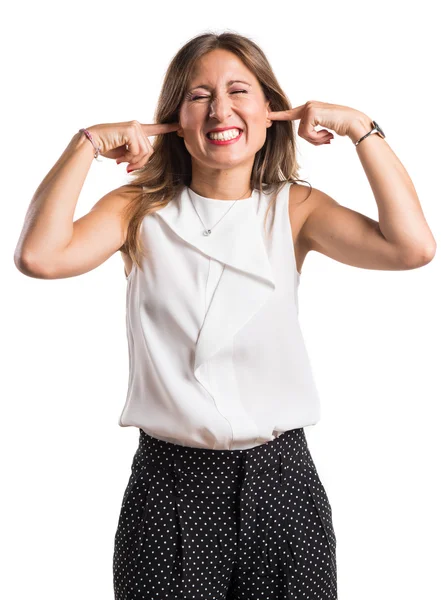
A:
376,129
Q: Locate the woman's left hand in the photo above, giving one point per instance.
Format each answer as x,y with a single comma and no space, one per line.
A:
333,116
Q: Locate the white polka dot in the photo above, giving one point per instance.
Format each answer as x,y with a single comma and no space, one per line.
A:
201,524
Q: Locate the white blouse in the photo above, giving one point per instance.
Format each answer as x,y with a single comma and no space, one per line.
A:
216,354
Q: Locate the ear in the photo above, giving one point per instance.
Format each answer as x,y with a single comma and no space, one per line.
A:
268,121
179,131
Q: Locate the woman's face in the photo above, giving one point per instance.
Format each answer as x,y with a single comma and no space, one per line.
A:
211,101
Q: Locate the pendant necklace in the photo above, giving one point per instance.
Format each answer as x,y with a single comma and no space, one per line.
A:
209,231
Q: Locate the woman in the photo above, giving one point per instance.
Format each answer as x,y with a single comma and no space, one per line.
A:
224,499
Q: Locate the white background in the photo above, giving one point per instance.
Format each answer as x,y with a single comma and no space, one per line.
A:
375,338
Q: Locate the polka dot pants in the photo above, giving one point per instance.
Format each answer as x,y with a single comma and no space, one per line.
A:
201,524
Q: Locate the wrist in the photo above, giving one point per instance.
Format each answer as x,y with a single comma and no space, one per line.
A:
88,138
80,140
361,125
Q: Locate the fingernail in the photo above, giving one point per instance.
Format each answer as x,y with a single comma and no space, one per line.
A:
130,170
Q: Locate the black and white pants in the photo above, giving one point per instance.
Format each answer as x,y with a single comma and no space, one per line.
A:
201,524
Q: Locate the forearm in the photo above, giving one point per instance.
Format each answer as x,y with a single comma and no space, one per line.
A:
401,218
48,223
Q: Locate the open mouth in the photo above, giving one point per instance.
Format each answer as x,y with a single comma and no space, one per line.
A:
225,141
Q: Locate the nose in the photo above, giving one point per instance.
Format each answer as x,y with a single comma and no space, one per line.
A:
220,108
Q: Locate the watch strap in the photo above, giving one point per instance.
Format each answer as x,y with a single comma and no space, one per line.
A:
375,129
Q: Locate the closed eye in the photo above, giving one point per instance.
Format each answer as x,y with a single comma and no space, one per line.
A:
235,92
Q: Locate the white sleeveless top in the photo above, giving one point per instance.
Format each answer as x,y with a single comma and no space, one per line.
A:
216,356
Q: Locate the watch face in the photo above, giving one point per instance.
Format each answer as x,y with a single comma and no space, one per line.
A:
379,129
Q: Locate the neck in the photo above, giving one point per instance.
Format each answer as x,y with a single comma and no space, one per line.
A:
235,193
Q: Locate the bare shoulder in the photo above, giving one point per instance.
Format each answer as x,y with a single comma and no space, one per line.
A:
306,204
124,195
116,200
302,200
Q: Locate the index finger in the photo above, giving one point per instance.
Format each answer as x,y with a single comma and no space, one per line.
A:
287,115
159,128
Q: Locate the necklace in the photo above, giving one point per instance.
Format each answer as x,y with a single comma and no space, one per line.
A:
209,231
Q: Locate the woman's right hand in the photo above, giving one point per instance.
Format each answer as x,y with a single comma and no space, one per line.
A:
128,142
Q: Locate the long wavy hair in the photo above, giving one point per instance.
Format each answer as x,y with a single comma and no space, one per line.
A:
169,168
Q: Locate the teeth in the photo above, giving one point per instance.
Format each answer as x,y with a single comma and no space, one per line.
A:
224,135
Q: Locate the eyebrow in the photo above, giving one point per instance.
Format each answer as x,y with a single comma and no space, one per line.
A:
207,87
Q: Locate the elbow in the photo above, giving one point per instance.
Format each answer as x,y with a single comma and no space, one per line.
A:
30,266
420,257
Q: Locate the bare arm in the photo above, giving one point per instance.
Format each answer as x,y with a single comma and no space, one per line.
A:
48,225
96,236
401,238
51,246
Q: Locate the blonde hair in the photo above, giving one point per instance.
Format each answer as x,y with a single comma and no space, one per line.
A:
169,167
